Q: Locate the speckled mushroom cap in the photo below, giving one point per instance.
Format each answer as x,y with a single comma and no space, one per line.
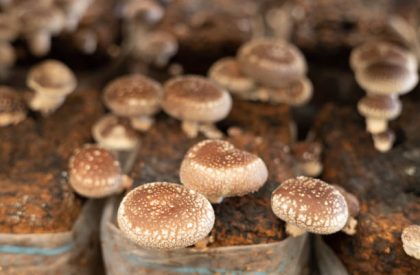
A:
94,172
295,93
133,95
271,62
51,77
12,108
216,169
381,107
114,133
376,50
307,151
411,240
196,98
164,215
226,72
311,205
386,78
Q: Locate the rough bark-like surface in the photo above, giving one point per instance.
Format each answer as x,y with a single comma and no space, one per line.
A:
386,184
34,194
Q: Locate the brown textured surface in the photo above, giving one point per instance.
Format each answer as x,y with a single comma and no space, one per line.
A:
244,220
34,194
386,184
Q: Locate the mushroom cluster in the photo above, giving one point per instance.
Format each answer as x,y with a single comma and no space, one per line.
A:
265,69
310,205
198,103
385,71
143,41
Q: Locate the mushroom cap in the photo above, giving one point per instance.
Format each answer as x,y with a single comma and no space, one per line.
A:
271,62
411,240
164,215
12,107
133,95
380,107
51,77
295,93
114,133
226,73
374,51
9,27
386,78
50,19
310,204
146,11
351,200
307,151
94,172
216,169
195,98
156,47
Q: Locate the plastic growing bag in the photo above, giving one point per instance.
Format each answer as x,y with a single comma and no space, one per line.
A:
328,262
122,256
72,252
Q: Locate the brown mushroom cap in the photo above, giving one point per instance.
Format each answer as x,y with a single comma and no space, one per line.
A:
216,169
133,95
380,107
164,215
411,240
114,133
307,151
157,47
94,172
271,62
226,73
295,93
146,11
51,77
195,98
374,51
386,78
12,108
310,204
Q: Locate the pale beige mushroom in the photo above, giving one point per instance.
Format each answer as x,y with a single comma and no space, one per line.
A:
95,173
308,204
164,215
308,157
411,240
217,169
52,81
384,141
198,103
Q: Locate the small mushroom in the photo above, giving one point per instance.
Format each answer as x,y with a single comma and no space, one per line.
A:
114,134
308,156
216,169
378,110
272,62
7,59
308,204
52,81
156,48
145,12
226,73
74,11
164,215
95,173
384,141
377,50
12,108
295,93
411,240
386,78
86,40
354,209
136,97
198,103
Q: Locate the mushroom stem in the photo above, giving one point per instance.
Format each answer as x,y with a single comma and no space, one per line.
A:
190,128
215,200
375,125
39,42
384,141
46,104
293,230
311,168
209,130
350,227
126,182
142,123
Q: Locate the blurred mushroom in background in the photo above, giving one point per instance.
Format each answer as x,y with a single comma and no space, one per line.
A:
12,107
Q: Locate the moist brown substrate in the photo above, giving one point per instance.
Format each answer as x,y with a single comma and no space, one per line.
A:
386,185
240,220
34,194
